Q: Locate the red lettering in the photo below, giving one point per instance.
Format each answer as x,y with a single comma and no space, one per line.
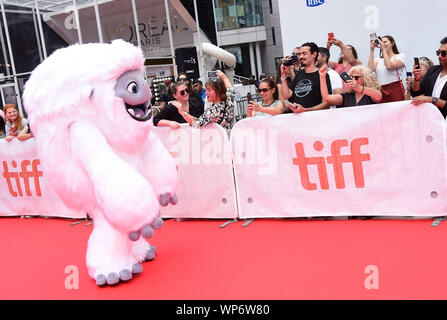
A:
336,159
25,175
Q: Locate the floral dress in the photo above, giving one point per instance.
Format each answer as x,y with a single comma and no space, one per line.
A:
220,113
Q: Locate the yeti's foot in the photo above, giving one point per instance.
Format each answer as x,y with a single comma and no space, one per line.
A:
165,199
147,231
113,278
143,251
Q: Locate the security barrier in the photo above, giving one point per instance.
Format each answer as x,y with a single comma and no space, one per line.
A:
381,160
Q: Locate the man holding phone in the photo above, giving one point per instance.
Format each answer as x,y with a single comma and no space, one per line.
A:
432,88
304,91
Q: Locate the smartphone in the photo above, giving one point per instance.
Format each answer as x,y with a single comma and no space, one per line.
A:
330,36
373,36
212,74
249,98
416,62
345,76
291,105
293,59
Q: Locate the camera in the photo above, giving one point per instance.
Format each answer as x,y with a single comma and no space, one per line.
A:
288,62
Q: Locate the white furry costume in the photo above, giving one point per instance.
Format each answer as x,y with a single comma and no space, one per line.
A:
89,109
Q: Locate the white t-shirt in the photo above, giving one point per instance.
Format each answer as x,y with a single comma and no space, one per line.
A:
334,77
439,85
385,76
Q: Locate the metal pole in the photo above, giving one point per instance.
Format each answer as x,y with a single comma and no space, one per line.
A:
199,41
171,43
215,24
78,24
98,22
135,19
5,56
11,57
39,22
39,46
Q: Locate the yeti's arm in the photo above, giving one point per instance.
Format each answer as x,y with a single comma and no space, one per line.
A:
160,170
126,198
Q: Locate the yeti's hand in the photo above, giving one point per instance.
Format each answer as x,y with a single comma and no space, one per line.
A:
160,170
126,198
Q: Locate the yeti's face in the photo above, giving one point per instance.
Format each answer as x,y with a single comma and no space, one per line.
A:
133,89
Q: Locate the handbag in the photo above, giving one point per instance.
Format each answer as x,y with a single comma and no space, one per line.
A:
393,91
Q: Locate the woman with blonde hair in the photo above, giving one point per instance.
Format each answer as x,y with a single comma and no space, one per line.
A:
363,89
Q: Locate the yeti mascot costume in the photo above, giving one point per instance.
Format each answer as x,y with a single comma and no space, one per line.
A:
89,109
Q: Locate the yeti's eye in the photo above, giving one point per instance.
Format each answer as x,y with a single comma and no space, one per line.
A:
132,87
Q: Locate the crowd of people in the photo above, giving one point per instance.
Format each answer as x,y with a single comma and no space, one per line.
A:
311,81
306,81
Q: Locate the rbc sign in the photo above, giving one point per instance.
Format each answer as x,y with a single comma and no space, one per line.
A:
314,3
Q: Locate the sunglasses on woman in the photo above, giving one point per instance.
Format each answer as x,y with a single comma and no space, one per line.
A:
356,77
184,91
264,90
443,53
183,79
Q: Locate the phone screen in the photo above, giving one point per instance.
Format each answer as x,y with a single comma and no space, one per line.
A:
345,77
212,74
416,62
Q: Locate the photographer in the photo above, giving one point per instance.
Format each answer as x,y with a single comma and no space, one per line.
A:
389,68
304,91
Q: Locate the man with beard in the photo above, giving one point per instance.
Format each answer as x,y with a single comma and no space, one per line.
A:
304,91
432,87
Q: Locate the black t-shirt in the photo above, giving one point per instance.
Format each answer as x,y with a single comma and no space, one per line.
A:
306,88
170,112
350,101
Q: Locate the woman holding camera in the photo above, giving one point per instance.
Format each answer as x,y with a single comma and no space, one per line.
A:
169,116
363,88
270,103
220,93
389,68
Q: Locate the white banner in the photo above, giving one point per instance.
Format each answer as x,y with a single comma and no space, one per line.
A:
23,187
206,183
381,160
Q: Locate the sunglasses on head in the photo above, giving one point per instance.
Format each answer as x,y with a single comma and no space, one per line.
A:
264,90
183,92
443,53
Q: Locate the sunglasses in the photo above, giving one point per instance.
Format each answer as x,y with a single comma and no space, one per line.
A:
183,79
356,77
183,92
443,53
264,90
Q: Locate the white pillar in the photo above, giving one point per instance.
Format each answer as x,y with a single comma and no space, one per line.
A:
78,23
135,21
252,59
39,22
258,59
98,22
171,42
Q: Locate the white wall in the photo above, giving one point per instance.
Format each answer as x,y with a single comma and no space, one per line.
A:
417,26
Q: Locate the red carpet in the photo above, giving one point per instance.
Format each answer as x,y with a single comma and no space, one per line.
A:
269,259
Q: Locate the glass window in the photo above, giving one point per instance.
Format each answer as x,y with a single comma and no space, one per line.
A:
233,14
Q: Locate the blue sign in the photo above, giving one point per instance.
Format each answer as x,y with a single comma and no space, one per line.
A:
314,3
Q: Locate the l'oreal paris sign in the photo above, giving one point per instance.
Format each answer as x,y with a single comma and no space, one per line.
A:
314,3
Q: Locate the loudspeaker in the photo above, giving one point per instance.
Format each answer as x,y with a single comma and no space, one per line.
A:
186,60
